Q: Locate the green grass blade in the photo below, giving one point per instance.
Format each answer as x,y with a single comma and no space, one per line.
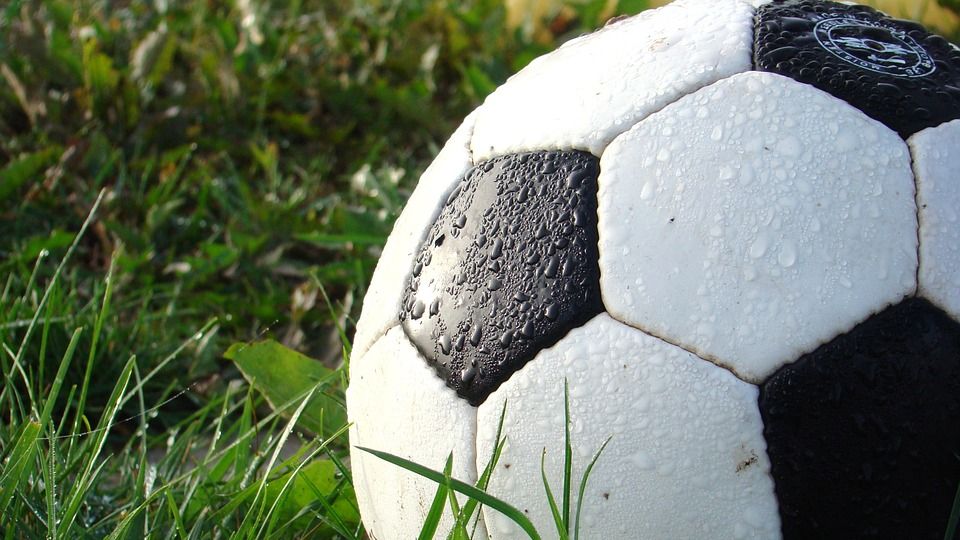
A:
472,505
583,486
288,429
551,500
953,523
97,329
48,471
332,516
51,398
175,513
86,478
17,361
567,458
18,463
341,332
459,532
432,521
485,498
280,497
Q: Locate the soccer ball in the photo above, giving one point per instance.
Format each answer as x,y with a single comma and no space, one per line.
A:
732,230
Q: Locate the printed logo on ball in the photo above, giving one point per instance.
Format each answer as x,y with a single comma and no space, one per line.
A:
875,46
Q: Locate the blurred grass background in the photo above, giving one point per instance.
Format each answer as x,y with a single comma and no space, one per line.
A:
252,157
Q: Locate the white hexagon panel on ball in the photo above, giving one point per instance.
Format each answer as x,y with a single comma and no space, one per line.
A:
686,451
729,228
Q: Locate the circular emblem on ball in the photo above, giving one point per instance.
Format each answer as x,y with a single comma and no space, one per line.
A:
874,46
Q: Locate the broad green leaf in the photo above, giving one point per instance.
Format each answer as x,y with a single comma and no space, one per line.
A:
281,375
20,171
319,478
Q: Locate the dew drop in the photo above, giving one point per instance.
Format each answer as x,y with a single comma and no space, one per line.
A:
496,249
475,336
643,461
788,254
647,191
418,309
528,329
553,265
815,225
759,246
506,339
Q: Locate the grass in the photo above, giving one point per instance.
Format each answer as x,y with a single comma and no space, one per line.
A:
180,181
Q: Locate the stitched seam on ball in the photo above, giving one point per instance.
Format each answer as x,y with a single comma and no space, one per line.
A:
919,213
690,350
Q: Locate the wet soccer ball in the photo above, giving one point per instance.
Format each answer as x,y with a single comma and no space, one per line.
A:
732,229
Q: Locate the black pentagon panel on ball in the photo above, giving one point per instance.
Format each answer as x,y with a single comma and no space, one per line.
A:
509,267
863,433
895,71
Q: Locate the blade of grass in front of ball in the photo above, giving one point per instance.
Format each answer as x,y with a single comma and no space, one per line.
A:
567,457
583,486
435,512
472,505
953,523
483,497
551,500
459,531
451,496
